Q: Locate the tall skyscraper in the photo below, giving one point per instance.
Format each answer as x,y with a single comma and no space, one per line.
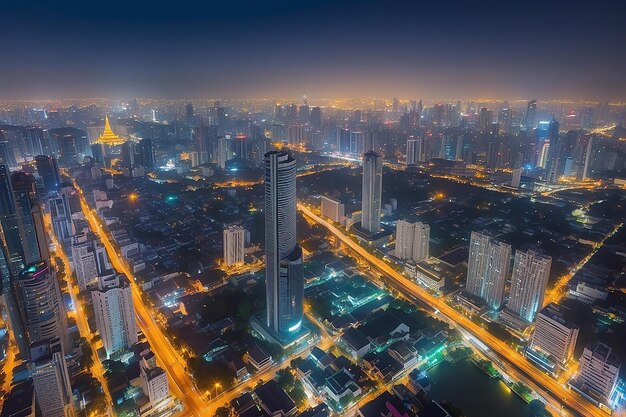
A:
488,268
283,256
145,153
48,170
554,335
43,313
531,271
413,151
531,114
8,220
554,153
412,240
52,386
372,189
29,215
115,312
234,243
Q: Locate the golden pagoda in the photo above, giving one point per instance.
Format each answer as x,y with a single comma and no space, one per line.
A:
108,137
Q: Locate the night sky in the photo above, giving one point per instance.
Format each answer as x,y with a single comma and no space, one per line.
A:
410,49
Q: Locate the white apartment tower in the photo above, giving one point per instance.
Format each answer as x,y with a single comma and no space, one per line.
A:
115,312
234,244
529,280
488,268
412,241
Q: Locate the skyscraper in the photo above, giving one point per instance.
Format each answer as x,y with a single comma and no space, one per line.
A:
412,240
283,256
413,151
488,268
372,189
115,312
48,170
89,259
29,215
52,386
531,271
234,243
531,111
43,313
8,220
554,153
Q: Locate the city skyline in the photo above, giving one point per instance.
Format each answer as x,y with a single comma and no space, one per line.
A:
438,50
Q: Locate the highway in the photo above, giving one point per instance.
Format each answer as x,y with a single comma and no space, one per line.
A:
515,360
181,383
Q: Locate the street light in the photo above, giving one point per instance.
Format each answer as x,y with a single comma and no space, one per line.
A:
217,385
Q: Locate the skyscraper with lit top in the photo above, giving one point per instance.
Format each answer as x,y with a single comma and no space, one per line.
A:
283,256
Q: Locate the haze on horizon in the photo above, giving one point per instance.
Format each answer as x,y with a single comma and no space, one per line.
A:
445,49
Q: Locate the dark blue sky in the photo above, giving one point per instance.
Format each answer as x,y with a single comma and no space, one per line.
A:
432,49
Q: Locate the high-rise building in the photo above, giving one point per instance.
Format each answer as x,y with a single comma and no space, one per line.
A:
412,241
372,189
115,312
531,114
529,280
283,256
553,167
599,371
356,143
89,259
48,170
554,335
127,153
41,307
516,178
234,243
333,209
52,386
145,153
8,220
72,143
29,215
488,268
153,380
413,151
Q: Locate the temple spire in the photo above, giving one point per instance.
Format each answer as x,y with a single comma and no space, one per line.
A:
108,137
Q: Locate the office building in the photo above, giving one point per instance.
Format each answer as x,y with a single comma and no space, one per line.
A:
234,243
488,268
115,312
333,209
29,215
43,314
372,188
529,280
89,259
53,391
48,170
554,335
553,166
283,256
599,371
531,114
412,241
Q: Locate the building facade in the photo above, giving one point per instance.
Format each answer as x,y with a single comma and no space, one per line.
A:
234,244
488,268
412,240
283,255
529,280
372,189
